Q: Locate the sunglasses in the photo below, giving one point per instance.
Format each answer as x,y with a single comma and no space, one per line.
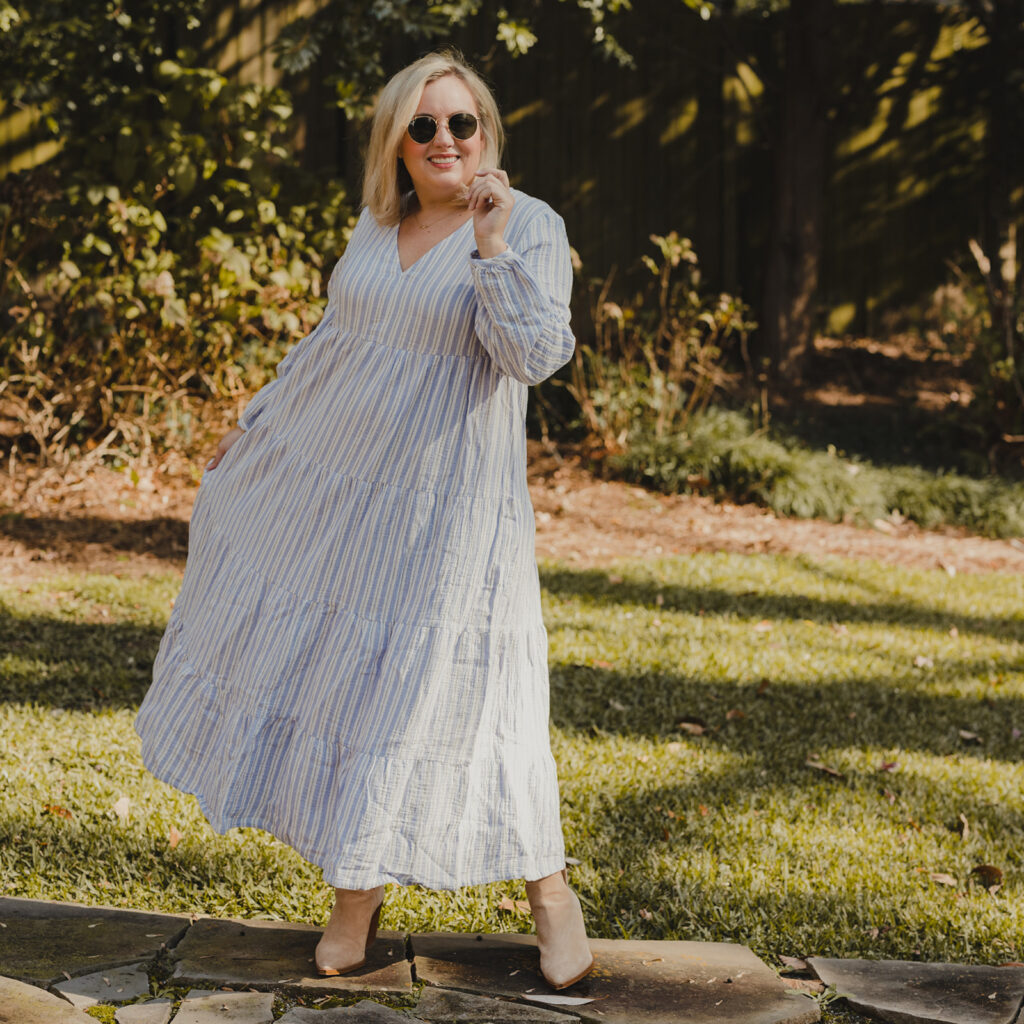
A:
423,127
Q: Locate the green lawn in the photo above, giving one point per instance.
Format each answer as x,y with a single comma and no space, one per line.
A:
880,674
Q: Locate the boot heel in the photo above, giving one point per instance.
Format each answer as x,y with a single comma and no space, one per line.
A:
371,936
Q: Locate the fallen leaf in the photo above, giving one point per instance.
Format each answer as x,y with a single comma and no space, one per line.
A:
646,914
173,837
764,626
559,1000
820,766
922,661
61,812
693,727
954,632
123,808
674,747
794,963
942,878
888,766
968,737
987,875
762,687
734,715
809,985
704,812
965,827
889,795
617,705
603,664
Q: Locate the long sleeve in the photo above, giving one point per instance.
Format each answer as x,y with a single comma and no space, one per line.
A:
522,317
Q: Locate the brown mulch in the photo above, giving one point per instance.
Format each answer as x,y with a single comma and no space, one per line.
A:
113,523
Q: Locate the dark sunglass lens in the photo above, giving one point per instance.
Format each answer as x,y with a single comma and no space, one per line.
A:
462,126
422,128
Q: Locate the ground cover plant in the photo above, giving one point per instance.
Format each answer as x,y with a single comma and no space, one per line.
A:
804,756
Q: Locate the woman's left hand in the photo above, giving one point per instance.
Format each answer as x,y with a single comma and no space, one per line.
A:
491,200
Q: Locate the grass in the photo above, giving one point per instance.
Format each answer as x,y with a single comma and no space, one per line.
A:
723,454
882,675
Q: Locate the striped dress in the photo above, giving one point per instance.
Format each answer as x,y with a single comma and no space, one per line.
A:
356,661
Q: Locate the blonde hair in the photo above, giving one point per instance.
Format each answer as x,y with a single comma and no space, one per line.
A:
387,187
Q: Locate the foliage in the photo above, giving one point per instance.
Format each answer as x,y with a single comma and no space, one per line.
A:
722,453
166,264
352,36
722,829
658,357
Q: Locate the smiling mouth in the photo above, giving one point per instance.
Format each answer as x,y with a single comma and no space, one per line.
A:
443,161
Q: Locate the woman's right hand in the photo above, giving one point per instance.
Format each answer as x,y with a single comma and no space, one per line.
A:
223,445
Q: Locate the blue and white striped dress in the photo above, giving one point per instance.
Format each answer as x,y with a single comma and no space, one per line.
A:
356,661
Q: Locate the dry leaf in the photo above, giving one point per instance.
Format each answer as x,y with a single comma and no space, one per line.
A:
968,737
988,875
888,766
704,812
764,626
617,705
123,808
693,727
818,765
811,986
734,715
173,837
794,963
762,687
558,1000
922,661
646,914
674,747
61,812
942,878
603,664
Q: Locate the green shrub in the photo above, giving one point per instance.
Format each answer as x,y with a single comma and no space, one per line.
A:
172,266
722,453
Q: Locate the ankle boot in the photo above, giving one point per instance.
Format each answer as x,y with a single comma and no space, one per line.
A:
565,955
350,932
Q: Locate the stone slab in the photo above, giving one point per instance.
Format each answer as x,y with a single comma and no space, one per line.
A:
278,954
907,992
114,986
21,1003
364,1012
632,982
444,1006
153,1011
41,939
226,1007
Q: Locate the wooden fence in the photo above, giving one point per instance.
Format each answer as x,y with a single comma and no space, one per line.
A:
683,142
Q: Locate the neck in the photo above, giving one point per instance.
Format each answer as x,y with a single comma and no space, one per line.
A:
433,207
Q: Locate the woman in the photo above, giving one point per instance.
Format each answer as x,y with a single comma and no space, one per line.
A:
356,661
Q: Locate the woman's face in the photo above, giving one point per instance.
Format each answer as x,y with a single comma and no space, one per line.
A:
441,167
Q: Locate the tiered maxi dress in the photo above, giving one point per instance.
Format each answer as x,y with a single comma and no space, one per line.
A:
356,661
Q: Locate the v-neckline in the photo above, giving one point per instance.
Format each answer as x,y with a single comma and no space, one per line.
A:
402,272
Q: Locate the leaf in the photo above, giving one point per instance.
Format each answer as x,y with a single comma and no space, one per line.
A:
764,626
557,1000
123,809
61,812
734,715
942,878
693,726
888,766
173,837
818,765
762,687
511,906
794,963
968,737
988,875
645,914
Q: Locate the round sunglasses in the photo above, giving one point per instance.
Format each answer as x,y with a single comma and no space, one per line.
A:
423,127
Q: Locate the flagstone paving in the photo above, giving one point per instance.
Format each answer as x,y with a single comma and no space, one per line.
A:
104,955
907,992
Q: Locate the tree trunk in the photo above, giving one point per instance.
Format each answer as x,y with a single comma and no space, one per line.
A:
1004,206
794,252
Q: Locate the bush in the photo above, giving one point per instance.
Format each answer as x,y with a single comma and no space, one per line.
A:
169,268
722,453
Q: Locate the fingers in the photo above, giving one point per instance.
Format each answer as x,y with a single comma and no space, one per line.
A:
223,445
489,189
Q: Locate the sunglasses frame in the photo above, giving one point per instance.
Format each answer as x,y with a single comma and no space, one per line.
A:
444,120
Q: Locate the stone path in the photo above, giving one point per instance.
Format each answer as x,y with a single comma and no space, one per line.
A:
59,959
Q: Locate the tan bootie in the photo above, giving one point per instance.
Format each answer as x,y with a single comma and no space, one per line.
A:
565,955
350,932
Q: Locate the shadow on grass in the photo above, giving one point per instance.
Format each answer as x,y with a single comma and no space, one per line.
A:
160,537
595,585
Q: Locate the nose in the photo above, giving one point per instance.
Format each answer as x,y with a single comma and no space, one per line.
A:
443,135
